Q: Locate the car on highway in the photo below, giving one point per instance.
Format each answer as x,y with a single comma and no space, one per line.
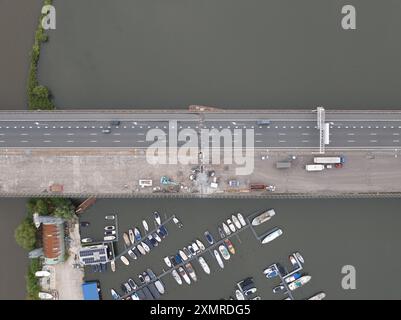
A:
115,122
263,122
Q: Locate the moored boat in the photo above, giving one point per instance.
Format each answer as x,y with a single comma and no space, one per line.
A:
124,260
231,225
156,236
226,229
145,225
241,219
183,255
299,282
209,237
176,277
113,265
132,254
126,239
145,246
187,252
318,296
191,271
42,273
167,262
141,249
239,295
218,258
224,252
137,234
200,245
115,295
184,275
229,246
263,217
45,296
204,265
131,236
272,235
236,221
157,218
221,233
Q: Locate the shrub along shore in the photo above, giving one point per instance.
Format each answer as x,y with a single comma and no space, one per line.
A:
39,97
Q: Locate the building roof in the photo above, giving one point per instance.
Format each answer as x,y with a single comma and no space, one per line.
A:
90,291
52,242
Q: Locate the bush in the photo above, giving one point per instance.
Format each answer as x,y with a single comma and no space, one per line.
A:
58,207
32,284
25,234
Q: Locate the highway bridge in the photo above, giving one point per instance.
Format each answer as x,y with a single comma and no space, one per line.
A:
288,129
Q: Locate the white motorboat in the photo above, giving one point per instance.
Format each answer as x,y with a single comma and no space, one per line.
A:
241,219
200,245
45,296
183,255
167,261
191,271
204,265
184,275
145,246
272,235
218,258
157,218
226,229
239,295
263,217
318,296
124,260
176,277
126,239
231,225
299,282
236,221
113,265
131,236
141,249
145,226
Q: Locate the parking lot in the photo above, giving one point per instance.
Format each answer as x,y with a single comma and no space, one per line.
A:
324,234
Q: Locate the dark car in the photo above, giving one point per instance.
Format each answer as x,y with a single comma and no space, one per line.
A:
85,224
115,122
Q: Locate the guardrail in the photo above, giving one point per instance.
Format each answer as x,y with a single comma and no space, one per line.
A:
208,196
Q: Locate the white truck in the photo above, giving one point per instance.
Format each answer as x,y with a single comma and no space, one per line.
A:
314,167
329,160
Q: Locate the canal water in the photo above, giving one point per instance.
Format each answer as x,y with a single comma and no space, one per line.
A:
277,54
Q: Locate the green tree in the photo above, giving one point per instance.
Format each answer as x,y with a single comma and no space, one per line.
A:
25,234
32,285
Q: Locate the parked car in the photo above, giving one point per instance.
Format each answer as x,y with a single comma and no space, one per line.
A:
84,224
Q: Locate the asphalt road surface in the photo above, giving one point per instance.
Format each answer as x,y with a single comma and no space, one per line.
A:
290,133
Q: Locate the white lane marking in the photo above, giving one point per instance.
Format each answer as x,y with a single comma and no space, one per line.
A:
292,127
22,127
54,127
258,134
69,127
116,141
305,141
140,134
93,134
396,134
307,127
259,141
141,141
125,127
299,127
282,141
346,127
70,141
61,127
47,141
351,141
305,134
24,141
93,127
47,134
373,134
116,134
93,141
70,134
374,141
276,127
24,134
351,134
396,140
30,127
1,141
282,134
76,127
